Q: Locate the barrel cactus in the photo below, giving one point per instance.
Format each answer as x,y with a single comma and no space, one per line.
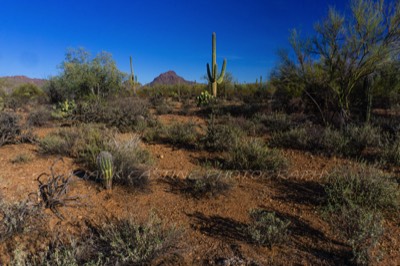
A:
105,165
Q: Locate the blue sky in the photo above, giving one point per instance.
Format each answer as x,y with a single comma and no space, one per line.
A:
160,35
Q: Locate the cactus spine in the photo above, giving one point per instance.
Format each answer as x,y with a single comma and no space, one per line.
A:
132,78
212,74
105,165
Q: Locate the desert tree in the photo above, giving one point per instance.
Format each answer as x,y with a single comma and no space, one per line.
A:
82,76
345,52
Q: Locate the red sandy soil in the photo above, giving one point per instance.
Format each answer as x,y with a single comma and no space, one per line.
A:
210,226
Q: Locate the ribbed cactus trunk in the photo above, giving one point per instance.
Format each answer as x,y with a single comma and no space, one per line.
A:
105,166
212,74
132,78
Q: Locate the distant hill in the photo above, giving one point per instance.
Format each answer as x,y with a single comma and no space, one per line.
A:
10,82
169,78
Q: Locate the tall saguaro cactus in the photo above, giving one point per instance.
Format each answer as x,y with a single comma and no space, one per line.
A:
212,73
132,78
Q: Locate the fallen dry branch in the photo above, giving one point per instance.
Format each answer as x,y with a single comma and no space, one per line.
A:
53,190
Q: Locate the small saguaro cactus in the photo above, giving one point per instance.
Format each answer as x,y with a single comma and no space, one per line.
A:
132,77
212,74
105,165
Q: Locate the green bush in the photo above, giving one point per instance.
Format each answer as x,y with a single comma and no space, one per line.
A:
16,218
182,134
126,114
28,91
364,186
84,77
21,158
296,138
131,162
82,143
220,137
361,229
124,242
390,152
327,140
275,122
10,129
202,185
255,155
117,242
267,229
39,117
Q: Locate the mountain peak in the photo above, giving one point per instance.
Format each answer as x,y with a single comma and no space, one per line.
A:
169,78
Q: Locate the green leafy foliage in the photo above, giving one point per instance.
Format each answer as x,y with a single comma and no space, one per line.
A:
254,155
267,229
83,77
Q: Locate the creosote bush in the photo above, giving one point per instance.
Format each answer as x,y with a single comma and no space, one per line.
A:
131,162
16,218
125,113
361,229
10,129
39,117
202,185
327,140
365,186
267,229
220,137
129,243
82,143
116,242
355,197
254,155
182,134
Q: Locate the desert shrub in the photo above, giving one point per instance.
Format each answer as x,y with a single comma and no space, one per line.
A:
360,137
275,122
126,114
10,130
82,143
24,94
163,106
16,218
248,126
124,242
28,90
390,152
267,229
155,133
255,155
361,229
60,142
39,117
117,242
202,185
296,138
220,137
130,162
327,140
182,134
365,186
83,77
21,158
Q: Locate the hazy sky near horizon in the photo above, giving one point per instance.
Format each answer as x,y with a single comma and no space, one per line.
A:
160,35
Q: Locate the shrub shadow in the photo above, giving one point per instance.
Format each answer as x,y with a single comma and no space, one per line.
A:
220,227
309,193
